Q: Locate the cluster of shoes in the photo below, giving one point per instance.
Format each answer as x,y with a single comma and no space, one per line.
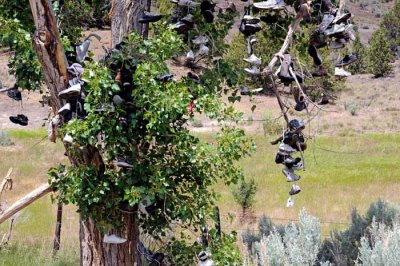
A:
15,94
292,141
337,27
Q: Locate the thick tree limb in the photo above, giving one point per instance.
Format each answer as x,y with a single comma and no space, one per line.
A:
25,201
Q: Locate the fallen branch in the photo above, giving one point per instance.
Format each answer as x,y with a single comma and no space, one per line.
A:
6,182
25,201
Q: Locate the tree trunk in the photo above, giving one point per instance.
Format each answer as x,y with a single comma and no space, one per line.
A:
54,64
125,18
95,252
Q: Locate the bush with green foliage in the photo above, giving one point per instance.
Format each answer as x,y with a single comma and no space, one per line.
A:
244,194
358,67
391,22
379,54
5,139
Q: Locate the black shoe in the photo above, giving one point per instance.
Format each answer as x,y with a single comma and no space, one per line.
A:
249,29
301,104
324,100
289,162
347,60
156,259
208,16
165,78
206,5
14,93
124,123
148,18
19,119
193,77
279,158
319,73
269,19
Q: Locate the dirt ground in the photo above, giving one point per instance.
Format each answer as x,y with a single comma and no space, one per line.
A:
365,105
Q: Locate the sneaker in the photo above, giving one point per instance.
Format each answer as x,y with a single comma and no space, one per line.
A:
336,44
189,57
301,104
253,70
250,19
68,139
258,90
14,93
82,50
203,51
149,17
165,78
340,72
200,40
71,92
326,22
253,60
193,77
341,18
347,60
182,27
270,4
289,162
249,29
294,190
186,3
105,108
298,166
290,175
285,149
188,19
244,90
20,119
156,259
290,202
295,124
123,164
113,239
66,109
338,29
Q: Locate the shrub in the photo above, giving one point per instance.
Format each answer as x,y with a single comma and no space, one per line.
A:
379,55
244,194
359,49
271,125
5,140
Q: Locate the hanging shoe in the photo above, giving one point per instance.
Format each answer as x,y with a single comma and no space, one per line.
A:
200,40
336,44
294,190
290,202
208,16
347,60
341,18
14,93
301,104
149,17
20,119
295,124
186,3
68,139
66,109
324,100
251,20
82,50
193,77
71,92
189,57
285,149
253,60
290,175
253,70
165,78
270,4
289,161
207,5
113,239
249,29
203,51
340,72
123,164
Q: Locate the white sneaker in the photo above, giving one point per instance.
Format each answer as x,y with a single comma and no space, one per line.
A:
200,40
257,90
65,109
340,72
253,59
73,91
285,149
290,202
336,28
290,175
298,166
68,139
294,190
270,4
252,70
203,51
113,239
189,57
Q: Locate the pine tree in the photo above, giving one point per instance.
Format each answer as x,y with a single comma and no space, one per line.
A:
359,49
379,54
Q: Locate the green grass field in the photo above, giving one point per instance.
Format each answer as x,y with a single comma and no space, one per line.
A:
341,173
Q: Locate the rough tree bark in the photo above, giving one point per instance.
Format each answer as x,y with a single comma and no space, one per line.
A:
125,18
54,64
